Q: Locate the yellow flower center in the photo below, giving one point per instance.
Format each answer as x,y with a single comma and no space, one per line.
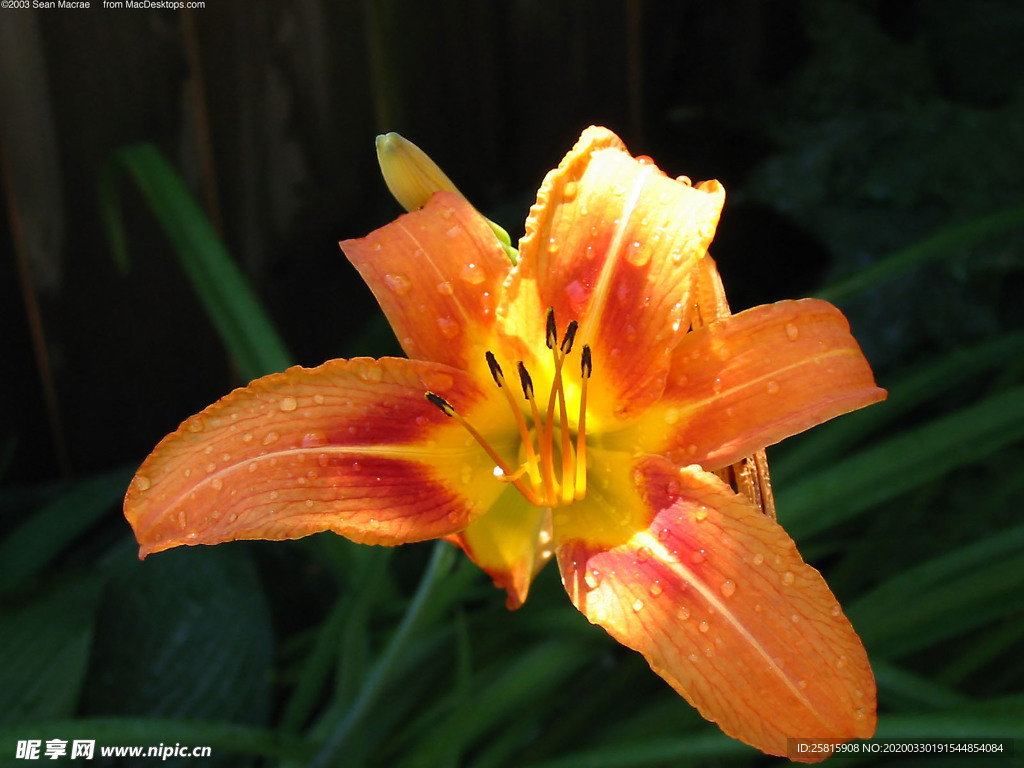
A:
553,471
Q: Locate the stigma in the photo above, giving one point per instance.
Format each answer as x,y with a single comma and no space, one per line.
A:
553,458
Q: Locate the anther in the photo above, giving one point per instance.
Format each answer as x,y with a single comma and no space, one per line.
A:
551,335
440,402
496,373
525,380
570,336
586,366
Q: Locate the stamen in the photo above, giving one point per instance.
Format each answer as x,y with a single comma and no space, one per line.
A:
586,369
496,373
532,465
509,475
543,436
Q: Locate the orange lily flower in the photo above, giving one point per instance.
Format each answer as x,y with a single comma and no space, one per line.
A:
585,403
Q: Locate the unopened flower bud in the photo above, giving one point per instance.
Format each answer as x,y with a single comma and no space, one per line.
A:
409,173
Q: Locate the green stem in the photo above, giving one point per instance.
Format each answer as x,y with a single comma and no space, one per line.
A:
373,687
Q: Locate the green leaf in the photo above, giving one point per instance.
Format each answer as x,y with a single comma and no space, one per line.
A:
947,596
943,243
233,307
185,633
44,651
44,534
905,461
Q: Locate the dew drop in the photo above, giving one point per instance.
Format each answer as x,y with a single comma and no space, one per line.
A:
142,483
232,517
656,589
370,372
836,610
758,558
569,190
643,554
638,605
253,466
683,614
309,503
313,439
318,399
788,578
448,327
593,578
703,626
795,618
792,331
195,424
672,416
217,483
700,514
273,495
211,467
445,288
637,255
271,437
699,555
187,472
466,473
453,231
773,387
247,437
841,662
728,588
801,684
183,522
858,713
398,283
472,273
288,404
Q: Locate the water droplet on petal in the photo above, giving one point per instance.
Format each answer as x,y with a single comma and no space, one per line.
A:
700,514
699,556
437,381
656,589
637,255
195,424
836,610
792,331
445,288
841,662
773,387
472,273
703,626
758,558
398,283
795,618
593,578
247,437
448,327
288,404
217,483
788,578
728,588
271,437
569,190
683,614
643,554
318,399
313,439
672,416
801,684
211,467
142,483
638,605
453,231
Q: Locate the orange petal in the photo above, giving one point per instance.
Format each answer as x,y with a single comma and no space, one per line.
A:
436,273
719,602
753,379
612,243
511,542
351,446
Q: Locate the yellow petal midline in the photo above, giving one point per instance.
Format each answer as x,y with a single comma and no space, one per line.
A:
659,551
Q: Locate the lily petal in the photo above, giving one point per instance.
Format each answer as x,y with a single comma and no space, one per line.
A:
612,243
436,273
351,446
512,542
719,602
752,379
